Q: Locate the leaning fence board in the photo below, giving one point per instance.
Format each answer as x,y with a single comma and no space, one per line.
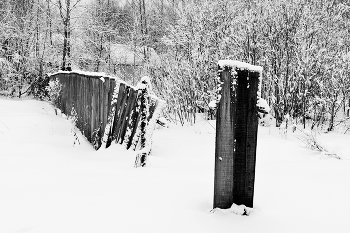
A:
144,109
133,121
123,90
129,106
114,114
122,113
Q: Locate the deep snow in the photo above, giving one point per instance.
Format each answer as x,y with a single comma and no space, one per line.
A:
47,185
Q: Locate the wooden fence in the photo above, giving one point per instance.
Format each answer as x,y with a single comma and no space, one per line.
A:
236,134
108,109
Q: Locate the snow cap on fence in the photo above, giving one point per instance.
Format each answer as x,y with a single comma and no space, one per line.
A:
146,79
141,86
86,73
212,104
102,74
144,83
239,65
263,105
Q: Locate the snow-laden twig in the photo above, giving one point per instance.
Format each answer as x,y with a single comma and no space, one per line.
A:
311,142
74,118
4,124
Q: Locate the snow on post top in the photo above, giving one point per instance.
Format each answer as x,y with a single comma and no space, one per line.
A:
240,65
243,66
146,79
86,73
144,83
101,74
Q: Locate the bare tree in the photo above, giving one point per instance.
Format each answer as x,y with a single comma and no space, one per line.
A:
65,9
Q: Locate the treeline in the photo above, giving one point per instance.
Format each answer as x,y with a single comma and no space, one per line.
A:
41,36
303,46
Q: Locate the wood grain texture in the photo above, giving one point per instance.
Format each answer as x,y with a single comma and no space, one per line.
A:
128,109
224,150
134,119
236,139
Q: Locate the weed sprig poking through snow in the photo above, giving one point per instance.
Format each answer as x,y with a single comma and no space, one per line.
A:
74,118
311,142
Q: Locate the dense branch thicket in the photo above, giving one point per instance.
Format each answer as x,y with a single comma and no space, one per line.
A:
303,46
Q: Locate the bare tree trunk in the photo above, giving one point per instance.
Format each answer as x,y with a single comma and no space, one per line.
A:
331,121
144,30
99,55
304,110
65,44
37,34
49,20
66,19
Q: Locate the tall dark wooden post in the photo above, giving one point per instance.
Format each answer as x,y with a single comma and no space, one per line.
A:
236,134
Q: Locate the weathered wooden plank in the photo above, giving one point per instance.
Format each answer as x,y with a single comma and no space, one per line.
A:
89,112
70,95
77,102
111,112
105,98
141,158
236,138
106,103
122,112
135,136
93,108
240,137
97,107
85,106
100,102
63,81
110,94
134,119
130,105
252,138
74,93
225,145
82,106
67,96
121,96
152,107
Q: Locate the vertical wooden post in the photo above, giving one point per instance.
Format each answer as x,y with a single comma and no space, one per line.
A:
236,134
142,157
224,144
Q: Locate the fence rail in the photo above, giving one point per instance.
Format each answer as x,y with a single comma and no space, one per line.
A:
108,109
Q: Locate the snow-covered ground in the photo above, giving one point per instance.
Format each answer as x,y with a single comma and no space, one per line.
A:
47,185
